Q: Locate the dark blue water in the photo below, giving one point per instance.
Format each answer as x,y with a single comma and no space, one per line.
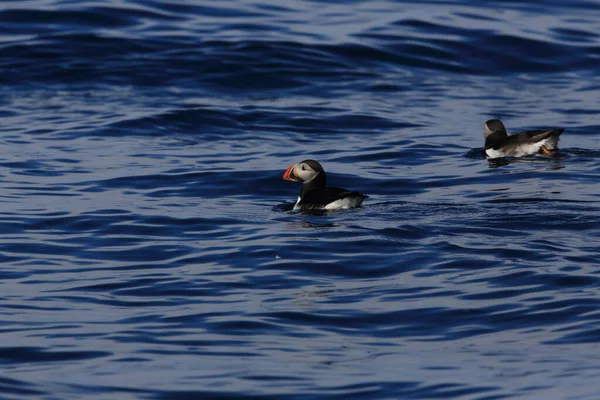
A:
147,250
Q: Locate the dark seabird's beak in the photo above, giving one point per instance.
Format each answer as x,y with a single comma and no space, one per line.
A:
289,175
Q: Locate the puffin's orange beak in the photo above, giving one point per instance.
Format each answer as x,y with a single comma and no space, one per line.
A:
289,175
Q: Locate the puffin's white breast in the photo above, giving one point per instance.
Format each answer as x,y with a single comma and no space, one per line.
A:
296,206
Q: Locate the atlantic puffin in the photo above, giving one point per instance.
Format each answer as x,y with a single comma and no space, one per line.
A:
315,195
499,144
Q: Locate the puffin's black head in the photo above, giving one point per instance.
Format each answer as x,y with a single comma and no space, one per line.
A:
304,171
493,126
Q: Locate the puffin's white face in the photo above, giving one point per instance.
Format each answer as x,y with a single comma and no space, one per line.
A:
304,171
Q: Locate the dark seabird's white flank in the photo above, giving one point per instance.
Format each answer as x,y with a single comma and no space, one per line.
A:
499,144
315,195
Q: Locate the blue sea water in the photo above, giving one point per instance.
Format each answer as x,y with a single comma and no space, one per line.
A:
148,250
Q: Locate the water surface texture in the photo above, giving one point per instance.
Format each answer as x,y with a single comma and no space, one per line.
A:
147,250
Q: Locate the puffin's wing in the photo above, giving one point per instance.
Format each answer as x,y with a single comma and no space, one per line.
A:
334,193
536,135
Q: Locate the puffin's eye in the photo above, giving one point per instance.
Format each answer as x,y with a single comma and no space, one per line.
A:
303,169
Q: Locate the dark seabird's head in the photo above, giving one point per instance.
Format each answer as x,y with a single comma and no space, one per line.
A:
304,171
493,126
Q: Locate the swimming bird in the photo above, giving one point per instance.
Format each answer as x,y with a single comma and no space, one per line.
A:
315,194
499,144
